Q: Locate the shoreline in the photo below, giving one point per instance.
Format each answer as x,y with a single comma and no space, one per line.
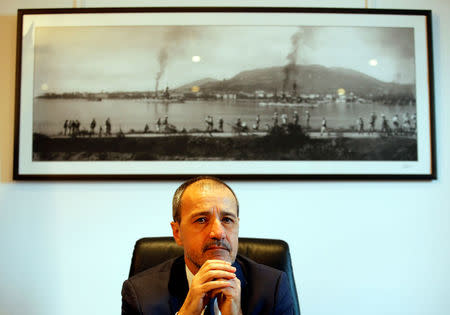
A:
277,145
314,134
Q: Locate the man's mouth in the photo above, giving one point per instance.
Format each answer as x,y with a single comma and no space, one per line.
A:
216,247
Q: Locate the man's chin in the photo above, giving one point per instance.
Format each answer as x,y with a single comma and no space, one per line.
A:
219,254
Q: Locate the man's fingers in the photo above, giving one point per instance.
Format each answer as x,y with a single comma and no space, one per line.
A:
235,284
218,292
213,285
212,269
217,261
216,274
217,265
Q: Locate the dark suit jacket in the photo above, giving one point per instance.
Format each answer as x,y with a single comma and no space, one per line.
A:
163,289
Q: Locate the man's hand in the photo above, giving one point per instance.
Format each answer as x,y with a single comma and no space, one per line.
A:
213,276
229,298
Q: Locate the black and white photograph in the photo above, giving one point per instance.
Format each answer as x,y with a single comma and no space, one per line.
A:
275,93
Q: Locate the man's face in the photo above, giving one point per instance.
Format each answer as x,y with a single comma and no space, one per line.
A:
209,224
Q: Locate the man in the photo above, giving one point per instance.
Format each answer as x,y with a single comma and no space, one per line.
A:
108,127
66,125
275,119
385,125
158,124
308,118
296,118
360,125
372,119
93,124
396,124
406,123
210,278
221,124
284,119
258,120
323,129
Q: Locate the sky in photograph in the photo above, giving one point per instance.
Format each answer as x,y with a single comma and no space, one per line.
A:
131,58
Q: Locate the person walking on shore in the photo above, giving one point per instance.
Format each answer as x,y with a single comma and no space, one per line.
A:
70,127
296,118
158,124
108,127
396,124
284,119
93,124
275,119
76,128
323,129
406,123
238,123
414,122
308,118
209,123
221,124
385,125
360,125
258,120
372,119
166,124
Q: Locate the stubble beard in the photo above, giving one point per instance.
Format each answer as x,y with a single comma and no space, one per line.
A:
198,261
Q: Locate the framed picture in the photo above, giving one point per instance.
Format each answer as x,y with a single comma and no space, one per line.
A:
251,93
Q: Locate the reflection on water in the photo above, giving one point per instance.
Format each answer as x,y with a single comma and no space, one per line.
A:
49,114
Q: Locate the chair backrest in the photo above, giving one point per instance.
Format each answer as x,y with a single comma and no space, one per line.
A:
151,251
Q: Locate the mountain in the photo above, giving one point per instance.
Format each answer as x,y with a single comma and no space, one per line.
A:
188,87
308,78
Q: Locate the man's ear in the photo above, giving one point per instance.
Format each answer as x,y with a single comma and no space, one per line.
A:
176,232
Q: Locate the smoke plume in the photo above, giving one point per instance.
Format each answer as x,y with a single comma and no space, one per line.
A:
173,43
290,70
162,59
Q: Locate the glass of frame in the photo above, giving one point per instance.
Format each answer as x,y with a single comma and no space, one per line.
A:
130,93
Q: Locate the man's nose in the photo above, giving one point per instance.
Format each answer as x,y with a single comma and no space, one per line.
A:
217,230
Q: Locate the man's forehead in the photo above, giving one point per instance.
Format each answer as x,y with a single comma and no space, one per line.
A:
206,186
204,190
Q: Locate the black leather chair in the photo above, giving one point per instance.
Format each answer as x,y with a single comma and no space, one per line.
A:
151,251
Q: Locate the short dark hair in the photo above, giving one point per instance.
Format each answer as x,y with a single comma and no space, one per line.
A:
176,201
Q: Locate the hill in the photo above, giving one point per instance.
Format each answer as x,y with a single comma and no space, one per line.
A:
201,82
309,79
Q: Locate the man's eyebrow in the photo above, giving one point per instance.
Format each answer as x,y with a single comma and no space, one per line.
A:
199,213
206,212
229,213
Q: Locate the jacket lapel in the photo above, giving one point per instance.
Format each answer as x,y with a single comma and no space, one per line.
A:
178,285
240,274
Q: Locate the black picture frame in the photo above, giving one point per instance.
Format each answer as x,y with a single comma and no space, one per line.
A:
57,49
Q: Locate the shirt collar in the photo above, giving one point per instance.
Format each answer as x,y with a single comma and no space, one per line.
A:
189,275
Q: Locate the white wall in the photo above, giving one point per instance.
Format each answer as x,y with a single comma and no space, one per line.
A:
357,247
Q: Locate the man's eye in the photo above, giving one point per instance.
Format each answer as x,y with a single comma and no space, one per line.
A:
200,220
228,220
